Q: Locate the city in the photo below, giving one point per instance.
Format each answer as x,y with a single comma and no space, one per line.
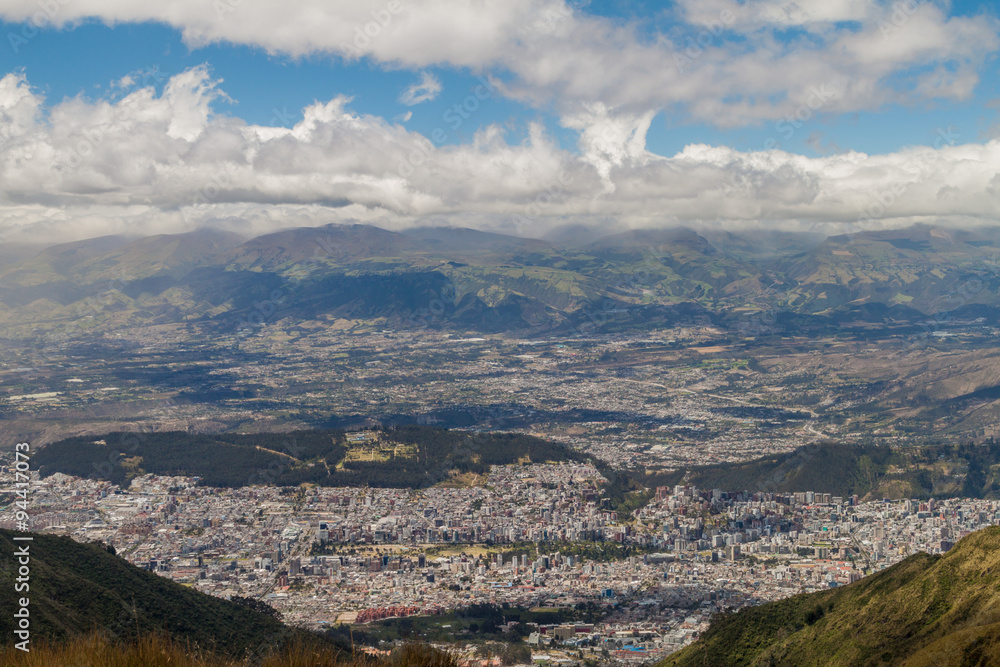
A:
466,333
533,536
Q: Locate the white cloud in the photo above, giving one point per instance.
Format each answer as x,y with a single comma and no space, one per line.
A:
725,62
424,90
608,140
189,96
19,107
151,163
752,15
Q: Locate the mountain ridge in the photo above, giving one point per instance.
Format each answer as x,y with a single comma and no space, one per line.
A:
478,280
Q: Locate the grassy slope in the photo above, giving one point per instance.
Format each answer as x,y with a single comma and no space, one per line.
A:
76,588
152,650
925,610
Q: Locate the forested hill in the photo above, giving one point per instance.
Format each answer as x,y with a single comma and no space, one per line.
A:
926,610
866,470
400,457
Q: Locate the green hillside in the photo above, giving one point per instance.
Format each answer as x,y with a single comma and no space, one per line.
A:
926,610
828,468
78,588
865,470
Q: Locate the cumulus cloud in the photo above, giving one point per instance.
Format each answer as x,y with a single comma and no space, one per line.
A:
149,163
424,90
608,140
725,62
19,108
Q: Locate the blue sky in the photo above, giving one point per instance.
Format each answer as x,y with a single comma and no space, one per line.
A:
274,88
264,89
727,112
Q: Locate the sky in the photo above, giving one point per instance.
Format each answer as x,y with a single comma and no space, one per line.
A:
519,116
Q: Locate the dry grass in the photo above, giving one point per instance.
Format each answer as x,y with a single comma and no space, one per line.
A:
96,650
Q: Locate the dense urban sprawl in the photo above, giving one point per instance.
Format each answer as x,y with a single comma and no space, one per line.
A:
533,536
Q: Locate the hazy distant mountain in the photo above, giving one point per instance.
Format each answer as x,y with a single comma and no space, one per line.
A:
763,243
119,258
924,268
54,262
468,279
166,253
473,242
654,240
573,235
330,243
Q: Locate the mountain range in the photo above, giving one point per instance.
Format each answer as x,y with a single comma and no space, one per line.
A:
754,282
